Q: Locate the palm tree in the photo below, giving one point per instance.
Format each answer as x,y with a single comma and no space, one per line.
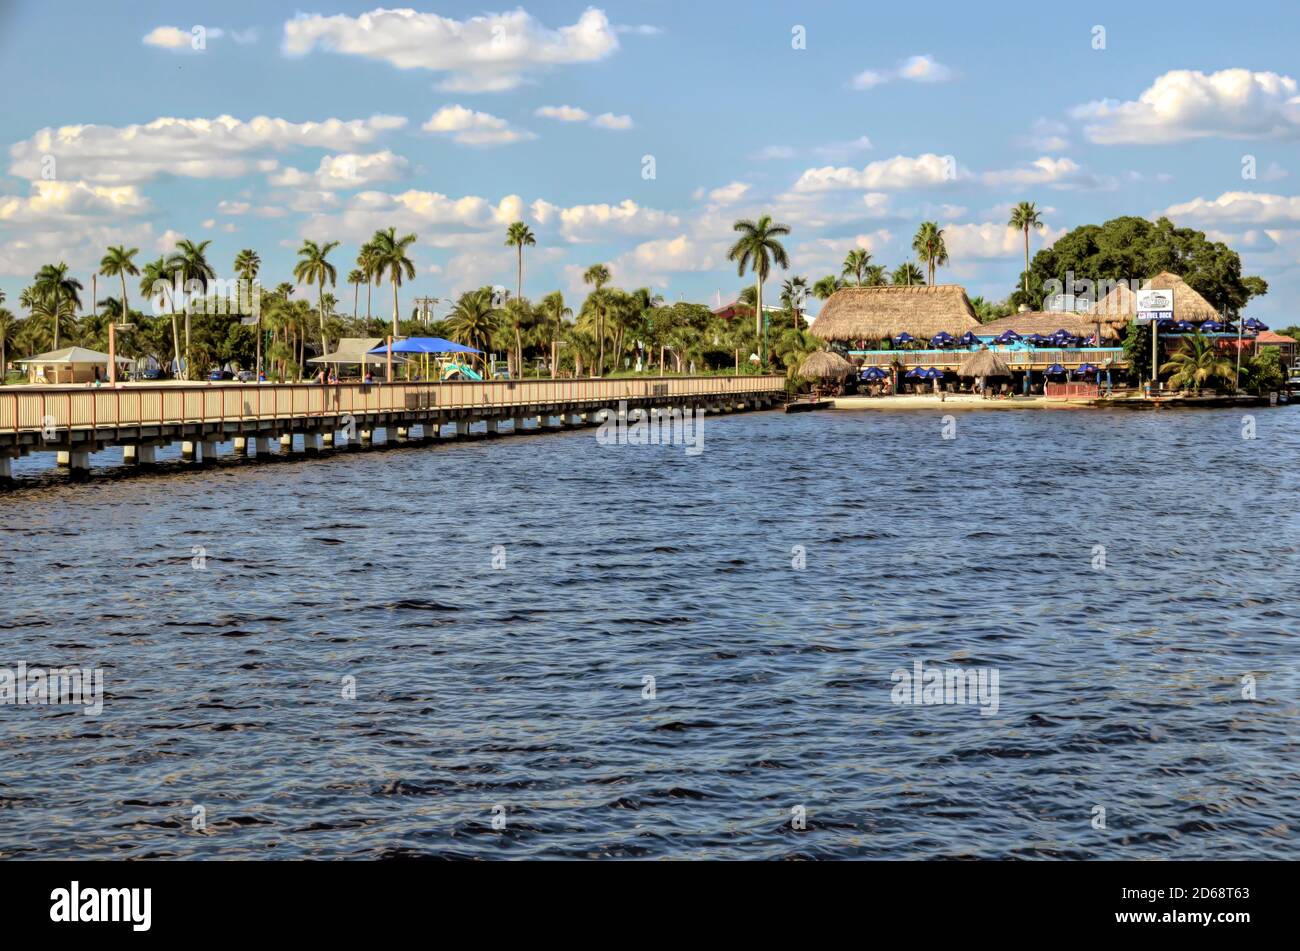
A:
388,255
907,273
155,278
474,321
929,247
355,277
366,264
826,286
62,293
856,263
313,267
1025,216
518,236
598,275
119,262
190,262
758,248
553,307
1197,362
247,266
793,293
8,329
874,275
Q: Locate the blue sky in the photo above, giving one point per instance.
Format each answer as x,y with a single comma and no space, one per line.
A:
458,118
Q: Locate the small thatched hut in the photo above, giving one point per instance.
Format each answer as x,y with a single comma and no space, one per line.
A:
984,363
877,313
1119,307
825,366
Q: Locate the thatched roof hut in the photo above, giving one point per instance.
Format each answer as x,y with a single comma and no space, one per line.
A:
1044,322
824,365
874,313
1120,306
984,362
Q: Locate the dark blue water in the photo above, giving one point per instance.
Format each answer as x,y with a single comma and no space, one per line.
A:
522,687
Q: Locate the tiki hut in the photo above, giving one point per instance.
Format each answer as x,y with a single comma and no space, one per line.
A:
825,367
984,363
878,313
1119,307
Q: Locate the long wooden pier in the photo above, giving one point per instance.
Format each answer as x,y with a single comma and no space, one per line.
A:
74,421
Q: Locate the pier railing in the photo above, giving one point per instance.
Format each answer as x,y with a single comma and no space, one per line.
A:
81,407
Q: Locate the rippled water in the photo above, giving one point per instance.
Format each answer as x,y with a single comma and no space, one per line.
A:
521,687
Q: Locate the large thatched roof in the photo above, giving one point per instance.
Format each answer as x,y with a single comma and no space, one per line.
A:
824,365
1044,322
984,362
1120,305
874,313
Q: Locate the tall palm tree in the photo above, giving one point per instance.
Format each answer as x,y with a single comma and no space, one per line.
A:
554,308
247,266
758,248
598,275
929,247
389,258
875,275
519,236
190,262
355,277
119,262
826,286
62,293
8,330
907,273
855,263
474,320
366,264
156,278
313,267
793,293
1025,216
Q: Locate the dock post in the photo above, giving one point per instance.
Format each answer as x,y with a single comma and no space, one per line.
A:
147,455
519,425
550,422
573,419
262,445
209,447
79,461
366,437
240,445
130,455
191,451
327,439
312,443
6,468
494,427
286,443
462,427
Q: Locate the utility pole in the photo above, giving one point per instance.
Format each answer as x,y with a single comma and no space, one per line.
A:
424,307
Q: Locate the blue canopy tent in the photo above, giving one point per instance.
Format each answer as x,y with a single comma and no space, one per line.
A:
968,339
427,345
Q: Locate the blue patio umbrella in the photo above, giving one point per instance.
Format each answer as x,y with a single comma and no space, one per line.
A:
904,337
425,345
1054,370
1211,326
1253,324
1182,326
968,339
934,373
1085,368
941,339
915,373
873,373
1035,339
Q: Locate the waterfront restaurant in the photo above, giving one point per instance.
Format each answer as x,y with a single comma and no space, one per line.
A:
69,365
900,328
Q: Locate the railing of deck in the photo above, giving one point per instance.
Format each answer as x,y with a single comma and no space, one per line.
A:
76,407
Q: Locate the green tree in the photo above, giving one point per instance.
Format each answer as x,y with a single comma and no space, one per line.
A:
855,264
247,265
314,267
120,262
1197,363
355,277
554,308
390,260
474,320
826,286
190,263
929,246
61,293
758,248
1023,217
907,273
598,276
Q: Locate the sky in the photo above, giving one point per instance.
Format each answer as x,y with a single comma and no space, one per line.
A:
636,133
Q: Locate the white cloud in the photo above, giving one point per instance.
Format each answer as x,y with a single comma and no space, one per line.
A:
169,38
993,239
563,113
438,219
652,261
919,69
224,147
353,170
1186,104
1047,135
469,127
583,224
842,150
725,195
607,120
900,171
1255,209
490,53
70,202
1062,173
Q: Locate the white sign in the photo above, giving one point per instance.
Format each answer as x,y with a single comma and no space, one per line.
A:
1154,305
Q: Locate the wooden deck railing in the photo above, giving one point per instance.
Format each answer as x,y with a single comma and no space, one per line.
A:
78,407
1018,359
